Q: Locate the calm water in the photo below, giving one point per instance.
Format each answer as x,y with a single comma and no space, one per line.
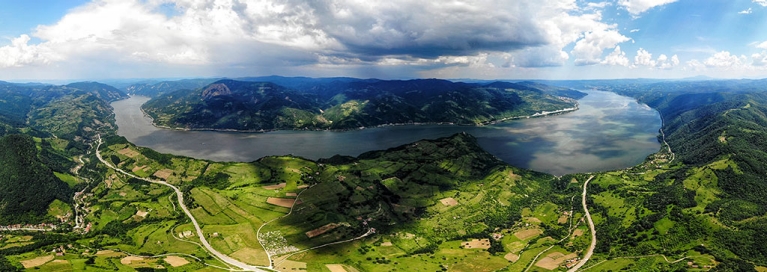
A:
607,132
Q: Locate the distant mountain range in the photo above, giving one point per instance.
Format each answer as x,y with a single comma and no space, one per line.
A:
271,103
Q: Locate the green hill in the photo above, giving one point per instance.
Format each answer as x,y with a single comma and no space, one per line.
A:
27,185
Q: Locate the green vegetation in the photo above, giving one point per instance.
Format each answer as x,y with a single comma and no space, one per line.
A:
27,203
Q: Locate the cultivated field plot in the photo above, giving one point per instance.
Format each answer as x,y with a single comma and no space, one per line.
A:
449,202
554,260
282,202
175,261
288,265
37,261
163,174
526,234
128,152
477,243
511,257
275,186
340,268
321,230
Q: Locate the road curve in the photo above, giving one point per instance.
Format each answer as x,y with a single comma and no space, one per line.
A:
180,197
593,245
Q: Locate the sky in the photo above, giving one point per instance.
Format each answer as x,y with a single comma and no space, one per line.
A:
394,39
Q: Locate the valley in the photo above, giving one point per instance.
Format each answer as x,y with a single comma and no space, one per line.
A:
444,203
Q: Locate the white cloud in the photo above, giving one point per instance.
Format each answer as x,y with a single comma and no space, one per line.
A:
643,58
724,59
634,30
20,53
759,59
747,11
589,49
761,2
663,62
762,45
617,57
636,7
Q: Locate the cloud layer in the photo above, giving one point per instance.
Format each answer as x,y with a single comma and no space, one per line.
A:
117,38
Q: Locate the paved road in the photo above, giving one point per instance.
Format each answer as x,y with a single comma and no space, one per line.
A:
180,197
593,245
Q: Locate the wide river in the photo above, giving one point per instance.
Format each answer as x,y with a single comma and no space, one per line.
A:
608,132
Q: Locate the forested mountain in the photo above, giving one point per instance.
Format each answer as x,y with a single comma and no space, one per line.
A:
155,89
42,129
342,103
718,133
102,91
27,185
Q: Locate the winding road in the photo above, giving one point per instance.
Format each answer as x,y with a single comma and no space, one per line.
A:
229,260
593,245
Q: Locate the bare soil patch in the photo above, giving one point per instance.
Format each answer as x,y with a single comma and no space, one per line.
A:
578,232
282,202
547,263
275,187
477,243
175,261
138,168
449,202
513,176
289,265
291,194
108,253
387,244
321,230
336,268
340,268
130,259
37,261
562,219
163,174
533,220
511,257
526,234
554,260
128,152
141,213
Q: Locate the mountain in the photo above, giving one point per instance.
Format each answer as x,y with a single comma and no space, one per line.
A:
102,91
43,128
27,185
342,103
154,89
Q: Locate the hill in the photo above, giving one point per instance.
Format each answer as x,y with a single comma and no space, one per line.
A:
27,185
102,91
347,104
154,89
43,130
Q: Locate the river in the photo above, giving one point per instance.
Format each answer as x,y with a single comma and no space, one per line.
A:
608,132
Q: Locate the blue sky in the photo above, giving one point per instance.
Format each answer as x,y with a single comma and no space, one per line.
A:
484,39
